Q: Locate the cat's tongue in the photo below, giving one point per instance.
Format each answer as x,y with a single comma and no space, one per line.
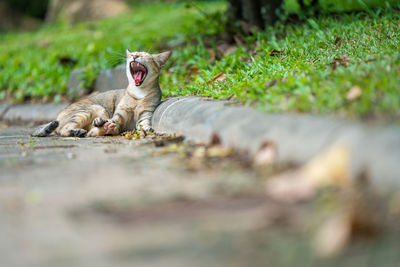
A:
138,77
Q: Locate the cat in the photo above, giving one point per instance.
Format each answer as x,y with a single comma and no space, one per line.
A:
115,111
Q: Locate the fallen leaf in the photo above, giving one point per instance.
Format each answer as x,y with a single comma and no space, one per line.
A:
338,41
354,93
331,167
212,55
290,188
194,70
266,155
172,148
360,214
219,152
220,77
333,236
339,62
275,53
229,97
199,152
215,140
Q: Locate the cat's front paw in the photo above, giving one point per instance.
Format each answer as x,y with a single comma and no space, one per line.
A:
145,127
110,128
99,122
94,132
148,129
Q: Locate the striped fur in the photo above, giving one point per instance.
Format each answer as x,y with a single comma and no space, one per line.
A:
117,110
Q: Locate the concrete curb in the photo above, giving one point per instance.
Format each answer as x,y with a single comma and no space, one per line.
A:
31,113
298,137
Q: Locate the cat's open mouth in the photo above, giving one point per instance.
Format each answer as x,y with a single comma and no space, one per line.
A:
138,72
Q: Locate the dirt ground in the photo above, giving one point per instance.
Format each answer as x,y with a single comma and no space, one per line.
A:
120,202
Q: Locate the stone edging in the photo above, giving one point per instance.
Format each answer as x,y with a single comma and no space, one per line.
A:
297,137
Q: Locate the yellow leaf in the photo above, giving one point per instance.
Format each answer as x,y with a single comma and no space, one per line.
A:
331,167
354,93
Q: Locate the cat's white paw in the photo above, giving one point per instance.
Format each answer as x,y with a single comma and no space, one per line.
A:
110,127
95,132
144,127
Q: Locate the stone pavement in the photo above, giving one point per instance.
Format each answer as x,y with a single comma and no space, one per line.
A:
110,202
118,202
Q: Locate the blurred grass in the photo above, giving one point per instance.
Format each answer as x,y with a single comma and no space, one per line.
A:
36,65
302,77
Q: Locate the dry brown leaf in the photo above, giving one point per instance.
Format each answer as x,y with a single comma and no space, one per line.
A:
219,152
354,93
212,55
333,236
229,97
199,152
275,53
331,167
215,140
338,41
339,62
194,70
266,155
220,77
290,188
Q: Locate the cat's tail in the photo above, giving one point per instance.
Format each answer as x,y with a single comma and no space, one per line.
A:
45,130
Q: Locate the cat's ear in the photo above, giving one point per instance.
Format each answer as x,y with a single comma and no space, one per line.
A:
128,52
162,57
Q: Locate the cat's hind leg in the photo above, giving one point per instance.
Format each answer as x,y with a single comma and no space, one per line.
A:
97,124
76,124
45,130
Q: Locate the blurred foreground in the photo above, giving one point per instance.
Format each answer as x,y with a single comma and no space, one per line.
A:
159,202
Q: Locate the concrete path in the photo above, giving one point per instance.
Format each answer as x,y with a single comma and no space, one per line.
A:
111,202
118,202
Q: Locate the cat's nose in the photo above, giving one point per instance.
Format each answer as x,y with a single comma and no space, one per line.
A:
135,56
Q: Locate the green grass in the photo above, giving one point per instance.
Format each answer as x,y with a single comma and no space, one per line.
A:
31,63
300,78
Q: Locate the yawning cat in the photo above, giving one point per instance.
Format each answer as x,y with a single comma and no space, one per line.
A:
115,111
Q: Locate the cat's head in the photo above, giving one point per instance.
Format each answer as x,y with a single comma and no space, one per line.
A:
143,69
